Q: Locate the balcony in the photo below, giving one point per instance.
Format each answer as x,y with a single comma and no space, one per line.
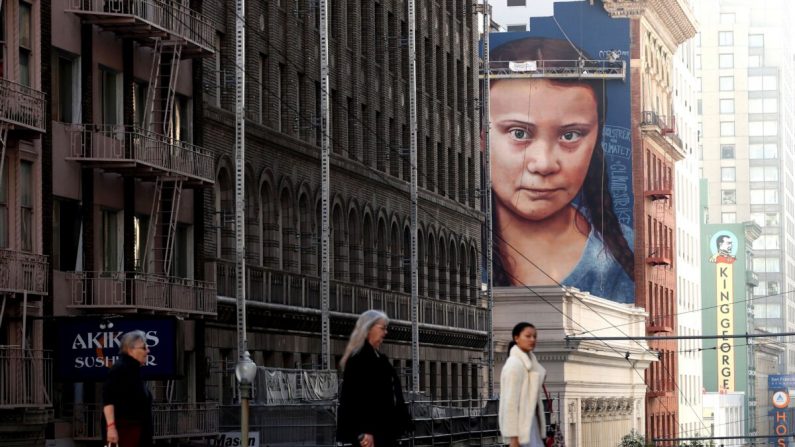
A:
751,279
135,292
660,323
147,20
171,421
22,107
660,255
660,191
134,151
23,272
25,378
301,291
662,130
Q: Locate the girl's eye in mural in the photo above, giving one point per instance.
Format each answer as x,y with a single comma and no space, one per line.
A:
519,134
571,136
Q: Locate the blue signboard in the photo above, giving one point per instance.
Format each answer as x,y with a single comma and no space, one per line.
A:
781,382
88,347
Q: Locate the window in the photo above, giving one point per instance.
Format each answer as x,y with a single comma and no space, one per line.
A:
25,42
763,105
111,241
764,174
139,104
517,2
728,174
4,207
728,197
182,267
726,106
111,96
727,151
767,242
26,203
766,265
727,128
263,92
182,121
762,83
771,219
726,61
754,60
66,89
516,28
66,234
767,151
762,128
725,38
726,83
728,217
756,40
281,87
764,196
219,69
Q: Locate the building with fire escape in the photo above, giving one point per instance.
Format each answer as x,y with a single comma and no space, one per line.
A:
129,176
369,188
25,368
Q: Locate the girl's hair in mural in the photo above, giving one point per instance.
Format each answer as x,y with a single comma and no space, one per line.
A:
594,199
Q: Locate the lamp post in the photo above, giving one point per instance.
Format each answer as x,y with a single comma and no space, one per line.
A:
245,372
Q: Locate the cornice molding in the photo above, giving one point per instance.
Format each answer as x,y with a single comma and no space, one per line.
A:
673,20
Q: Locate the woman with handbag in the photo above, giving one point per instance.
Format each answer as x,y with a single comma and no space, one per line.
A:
521,417
127,402
372,412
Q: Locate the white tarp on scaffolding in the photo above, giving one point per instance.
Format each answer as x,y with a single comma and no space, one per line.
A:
281,386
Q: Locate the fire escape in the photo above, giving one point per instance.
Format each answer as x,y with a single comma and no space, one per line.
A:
150,151
22,272
153,152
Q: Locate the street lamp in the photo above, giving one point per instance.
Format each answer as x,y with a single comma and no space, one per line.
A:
245,372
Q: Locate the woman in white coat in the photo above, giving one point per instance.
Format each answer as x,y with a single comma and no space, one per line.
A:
522,420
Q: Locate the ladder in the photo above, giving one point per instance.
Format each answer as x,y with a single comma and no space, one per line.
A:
165,210
161,94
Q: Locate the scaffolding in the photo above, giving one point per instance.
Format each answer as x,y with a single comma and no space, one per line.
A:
556,69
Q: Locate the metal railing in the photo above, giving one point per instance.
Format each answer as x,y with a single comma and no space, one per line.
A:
577,69
21,105
171,420
651,118
293,289
171,17
103,290
25,377
108,143
23,272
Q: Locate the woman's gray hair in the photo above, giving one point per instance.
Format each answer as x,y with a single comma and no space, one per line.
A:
129,339
363,325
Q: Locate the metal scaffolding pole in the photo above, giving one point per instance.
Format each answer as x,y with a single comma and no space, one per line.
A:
325,178
487,200
240,151
415,303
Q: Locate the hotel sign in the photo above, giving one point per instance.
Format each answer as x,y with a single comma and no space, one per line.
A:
724,250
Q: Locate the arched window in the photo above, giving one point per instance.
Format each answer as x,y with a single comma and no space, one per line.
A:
289,244
339,244
396,264
463,274
381,243
421,275
308,237
252,222
432,286
354,247
452,272
369,250
474,275
444,292
406,256
270,227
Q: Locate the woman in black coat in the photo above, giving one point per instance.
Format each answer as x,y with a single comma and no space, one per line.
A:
372,412
127,402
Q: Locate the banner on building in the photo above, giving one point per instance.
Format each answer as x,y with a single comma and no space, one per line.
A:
724,255
88,347
561,158
780,387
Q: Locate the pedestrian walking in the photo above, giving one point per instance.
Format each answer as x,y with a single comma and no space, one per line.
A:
372,412
521,417
126,400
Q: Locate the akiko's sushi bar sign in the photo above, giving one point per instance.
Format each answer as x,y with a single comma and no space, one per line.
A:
88,347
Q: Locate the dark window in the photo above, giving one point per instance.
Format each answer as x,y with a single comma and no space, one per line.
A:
727,152
26,203
517,2
66,234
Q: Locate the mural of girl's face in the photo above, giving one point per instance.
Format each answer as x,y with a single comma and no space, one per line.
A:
542,137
